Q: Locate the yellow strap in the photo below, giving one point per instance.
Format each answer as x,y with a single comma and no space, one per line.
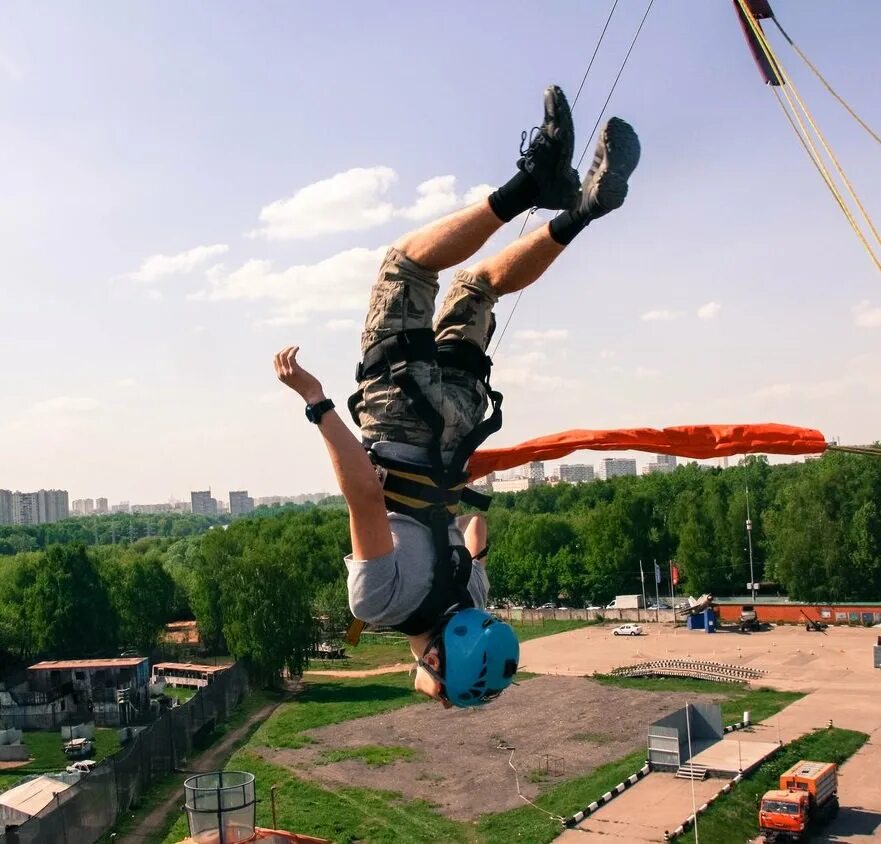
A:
808,143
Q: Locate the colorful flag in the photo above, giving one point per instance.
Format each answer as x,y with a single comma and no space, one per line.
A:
675,575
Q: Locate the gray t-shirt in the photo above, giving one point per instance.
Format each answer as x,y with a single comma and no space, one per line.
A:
387,589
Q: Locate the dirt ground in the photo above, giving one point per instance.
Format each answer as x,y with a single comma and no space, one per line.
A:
462,756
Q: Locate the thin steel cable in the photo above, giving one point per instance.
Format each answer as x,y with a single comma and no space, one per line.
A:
826,84
584,152
595,51
523,797
799,106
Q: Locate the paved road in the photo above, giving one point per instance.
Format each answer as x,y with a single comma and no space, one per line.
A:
836,669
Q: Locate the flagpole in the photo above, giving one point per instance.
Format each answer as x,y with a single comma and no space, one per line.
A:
642,581
672,596
657,593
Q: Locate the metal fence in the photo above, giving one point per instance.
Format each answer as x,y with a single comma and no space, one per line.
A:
84,812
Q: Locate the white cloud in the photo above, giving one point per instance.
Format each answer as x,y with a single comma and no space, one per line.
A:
340,324
550,335
865,316
349,201
607,354
199,329
477,193
339,283
709,311
160,266
437,196
530,370
646,372
356,200
661,315
124,383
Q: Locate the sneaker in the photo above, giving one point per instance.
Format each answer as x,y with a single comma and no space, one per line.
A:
548,158
616,157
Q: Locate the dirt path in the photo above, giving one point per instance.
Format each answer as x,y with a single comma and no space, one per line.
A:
397,668
211,759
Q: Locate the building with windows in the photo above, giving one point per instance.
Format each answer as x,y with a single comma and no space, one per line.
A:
240,503
579,473
6,507
616,467
33,508
664,464
535,471
513,484
101,507
203,504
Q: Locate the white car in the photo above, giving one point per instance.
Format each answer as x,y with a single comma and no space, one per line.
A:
84,766
627,630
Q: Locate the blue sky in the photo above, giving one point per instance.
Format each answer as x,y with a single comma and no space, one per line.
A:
165,129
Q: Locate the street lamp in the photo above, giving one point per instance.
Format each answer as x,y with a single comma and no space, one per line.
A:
749,536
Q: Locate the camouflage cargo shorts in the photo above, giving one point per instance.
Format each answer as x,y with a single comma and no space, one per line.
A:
402,299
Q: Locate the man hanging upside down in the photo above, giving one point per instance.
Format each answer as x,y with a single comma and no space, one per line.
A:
423,393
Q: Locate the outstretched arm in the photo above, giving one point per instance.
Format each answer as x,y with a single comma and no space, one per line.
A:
371,536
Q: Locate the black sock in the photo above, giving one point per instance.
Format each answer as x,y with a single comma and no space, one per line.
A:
566,226
514,197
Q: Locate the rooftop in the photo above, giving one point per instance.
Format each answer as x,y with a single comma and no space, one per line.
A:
87,664
33,795
190,666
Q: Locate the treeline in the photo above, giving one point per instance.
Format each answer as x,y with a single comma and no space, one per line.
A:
259,587
126,528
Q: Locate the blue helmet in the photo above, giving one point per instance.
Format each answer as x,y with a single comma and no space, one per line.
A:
480,657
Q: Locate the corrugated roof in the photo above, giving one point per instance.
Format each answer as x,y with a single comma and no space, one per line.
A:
67,664
190,666
32,796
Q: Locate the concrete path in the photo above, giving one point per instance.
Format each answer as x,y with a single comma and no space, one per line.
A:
835,669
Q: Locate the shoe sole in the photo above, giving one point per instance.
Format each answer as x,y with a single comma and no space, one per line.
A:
607,183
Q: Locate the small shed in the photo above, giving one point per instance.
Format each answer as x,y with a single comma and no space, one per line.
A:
668,738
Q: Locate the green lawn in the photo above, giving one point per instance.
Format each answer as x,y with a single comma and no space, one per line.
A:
735,697
375,650
546,627
333,700
733,818
181,693
48,754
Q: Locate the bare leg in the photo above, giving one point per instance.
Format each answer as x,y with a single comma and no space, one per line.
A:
473,527
519,264
452,239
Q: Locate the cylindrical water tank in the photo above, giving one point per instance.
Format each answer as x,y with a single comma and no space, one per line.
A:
221,807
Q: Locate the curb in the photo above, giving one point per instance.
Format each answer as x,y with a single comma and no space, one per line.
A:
740,725
632,780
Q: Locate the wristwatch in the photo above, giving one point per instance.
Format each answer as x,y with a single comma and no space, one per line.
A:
314,412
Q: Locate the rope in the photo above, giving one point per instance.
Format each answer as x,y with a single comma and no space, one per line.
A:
522,796
808,142
590,137
826,84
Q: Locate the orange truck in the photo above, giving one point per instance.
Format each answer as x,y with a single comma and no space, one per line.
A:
808,794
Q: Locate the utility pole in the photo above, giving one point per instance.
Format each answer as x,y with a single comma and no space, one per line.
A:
749,537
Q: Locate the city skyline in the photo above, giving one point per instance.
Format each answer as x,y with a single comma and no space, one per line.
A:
204,223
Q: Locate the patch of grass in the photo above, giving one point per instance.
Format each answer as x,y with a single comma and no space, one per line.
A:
734,698
373,755
734,817
181,693
594,737
344,815
373,651
546,627
47,750
528,825
334,700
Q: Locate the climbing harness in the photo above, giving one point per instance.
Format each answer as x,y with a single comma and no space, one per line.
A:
430,492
